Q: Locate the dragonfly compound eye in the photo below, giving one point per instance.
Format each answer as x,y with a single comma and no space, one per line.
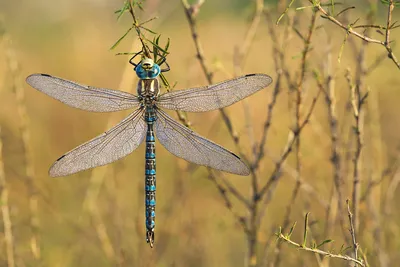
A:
140,72
154,72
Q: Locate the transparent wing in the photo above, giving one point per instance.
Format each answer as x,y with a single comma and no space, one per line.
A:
82,96
214,96
112,145
186,144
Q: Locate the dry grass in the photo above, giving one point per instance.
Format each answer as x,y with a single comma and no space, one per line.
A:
96,218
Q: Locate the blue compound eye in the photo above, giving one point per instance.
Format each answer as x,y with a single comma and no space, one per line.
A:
140,72
154,72
151,73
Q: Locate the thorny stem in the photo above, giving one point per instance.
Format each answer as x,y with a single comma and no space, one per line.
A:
330,99
318,251
298,106
289,146
389,22
145,48
357,100
259,151
352,231
349,30
251,227
228,203
190,11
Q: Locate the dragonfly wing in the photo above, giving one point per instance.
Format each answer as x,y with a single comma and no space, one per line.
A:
186,144
112,145
82,96
214,96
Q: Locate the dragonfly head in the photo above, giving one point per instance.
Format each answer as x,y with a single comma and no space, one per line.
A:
147,69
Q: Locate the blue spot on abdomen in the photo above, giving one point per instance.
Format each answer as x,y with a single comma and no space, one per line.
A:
150,188
150,156
150,138
150,202
150,224
150,172
150,214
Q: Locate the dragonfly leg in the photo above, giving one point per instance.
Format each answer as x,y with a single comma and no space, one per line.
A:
135,55
167,68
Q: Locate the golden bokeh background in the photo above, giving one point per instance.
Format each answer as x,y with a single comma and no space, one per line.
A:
96,218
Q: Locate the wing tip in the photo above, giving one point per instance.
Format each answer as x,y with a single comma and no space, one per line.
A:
34,75
244,170
266,79
53,173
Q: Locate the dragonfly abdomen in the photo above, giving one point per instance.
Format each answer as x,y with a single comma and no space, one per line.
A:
150,174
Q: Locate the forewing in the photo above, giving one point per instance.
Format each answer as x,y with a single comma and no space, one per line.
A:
186,144
82,96
214,96
112,145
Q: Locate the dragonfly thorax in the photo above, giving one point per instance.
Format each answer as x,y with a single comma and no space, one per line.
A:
148,88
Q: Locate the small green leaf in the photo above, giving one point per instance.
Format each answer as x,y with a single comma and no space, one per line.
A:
139,5
387,2
147,29
284,12
343,249
297,56
167,45
314,245
303,7
164,80
121,38
158,47
325,242
122,10
305,229
156,40
279,233
291,229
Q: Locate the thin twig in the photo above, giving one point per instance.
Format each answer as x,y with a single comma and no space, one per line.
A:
289,146
389,22
5,211
330,99
239,59
349,30
278,61
318,251
30,172
228,203
298,107
190,11
352,232
251,33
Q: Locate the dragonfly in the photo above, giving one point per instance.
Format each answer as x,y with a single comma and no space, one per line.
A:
148,121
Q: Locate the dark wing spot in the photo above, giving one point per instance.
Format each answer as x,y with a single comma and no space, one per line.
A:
47,75
235,155
60,157
248,75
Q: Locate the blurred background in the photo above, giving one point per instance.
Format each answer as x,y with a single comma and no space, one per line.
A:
96,217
